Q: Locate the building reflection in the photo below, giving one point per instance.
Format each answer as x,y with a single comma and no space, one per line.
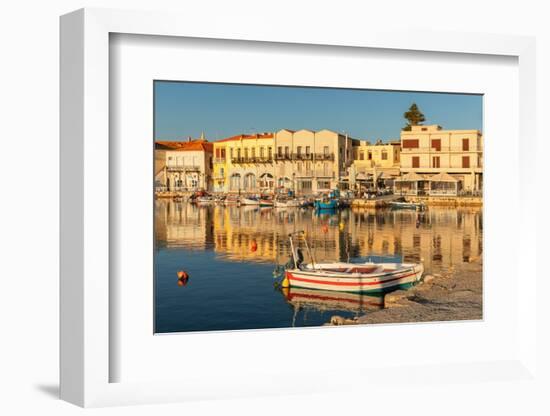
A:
440,237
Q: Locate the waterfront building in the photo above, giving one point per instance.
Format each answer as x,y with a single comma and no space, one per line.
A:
429,150
305,161
375,165
312,161
188,165
244,163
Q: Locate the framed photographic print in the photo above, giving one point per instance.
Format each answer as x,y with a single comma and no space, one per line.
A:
232,203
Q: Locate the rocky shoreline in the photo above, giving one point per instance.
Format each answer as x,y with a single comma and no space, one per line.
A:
449,296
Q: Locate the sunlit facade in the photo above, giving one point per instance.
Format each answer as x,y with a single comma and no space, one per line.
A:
430,150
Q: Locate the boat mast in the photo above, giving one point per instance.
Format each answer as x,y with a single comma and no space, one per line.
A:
308,250
292,249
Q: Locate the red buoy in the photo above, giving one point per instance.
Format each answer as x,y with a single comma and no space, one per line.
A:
253,246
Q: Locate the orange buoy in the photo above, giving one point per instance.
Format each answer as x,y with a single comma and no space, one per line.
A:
182,274
325,228
181,282
253,246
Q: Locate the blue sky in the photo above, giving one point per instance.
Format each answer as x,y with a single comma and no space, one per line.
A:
185,109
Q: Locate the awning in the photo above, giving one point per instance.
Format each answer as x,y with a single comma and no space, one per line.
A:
443,177
411,177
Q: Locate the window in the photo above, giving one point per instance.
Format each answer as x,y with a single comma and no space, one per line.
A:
325,150
253,152
465,145
238,153
217,153
308,150
223,153
231,153
370,155
436,162
308,167
384,155
210,162
410,144
361,155
299,166
323,184
261,152
416,162
299,150
465,161
287,151
222,172
280,151
269,152
325,169
424,129
246,152
436,144
305,185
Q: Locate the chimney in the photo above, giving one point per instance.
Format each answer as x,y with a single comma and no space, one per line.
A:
188,138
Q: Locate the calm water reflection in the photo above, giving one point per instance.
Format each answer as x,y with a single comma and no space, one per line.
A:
230,253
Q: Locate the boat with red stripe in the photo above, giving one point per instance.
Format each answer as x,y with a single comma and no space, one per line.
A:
350,277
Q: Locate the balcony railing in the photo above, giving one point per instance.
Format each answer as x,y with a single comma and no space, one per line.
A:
183,168
237,160
443,149
305,156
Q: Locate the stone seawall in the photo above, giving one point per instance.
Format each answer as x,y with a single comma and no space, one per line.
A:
449,201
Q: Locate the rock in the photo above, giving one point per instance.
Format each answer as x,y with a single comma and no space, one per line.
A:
337,320
395,298
428,278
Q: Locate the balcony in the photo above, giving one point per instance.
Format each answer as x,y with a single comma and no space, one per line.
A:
238,160
183,168
304,156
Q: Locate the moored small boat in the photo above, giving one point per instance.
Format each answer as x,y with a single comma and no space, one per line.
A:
280,203
250,201
204,200
351,277
326,204
232,200
408,205
356,278
266,202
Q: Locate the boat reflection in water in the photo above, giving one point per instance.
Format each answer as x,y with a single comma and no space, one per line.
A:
312,300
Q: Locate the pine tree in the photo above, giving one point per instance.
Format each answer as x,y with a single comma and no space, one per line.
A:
414,117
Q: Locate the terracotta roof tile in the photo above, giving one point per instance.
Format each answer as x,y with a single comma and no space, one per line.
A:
185,146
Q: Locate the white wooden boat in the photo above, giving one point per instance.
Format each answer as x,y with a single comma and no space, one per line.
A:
351,277
250,201
205,200
278,203
232,200
356,278
265,202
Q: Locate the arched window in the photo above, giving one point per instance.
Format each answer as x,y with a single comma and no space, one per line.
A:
249,182
235,182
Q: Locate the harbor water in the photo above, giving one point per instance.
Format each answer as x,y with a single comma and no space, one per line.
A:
231,254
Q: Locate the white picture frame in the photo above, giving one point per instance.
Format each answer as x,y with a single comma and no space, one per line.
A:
85,206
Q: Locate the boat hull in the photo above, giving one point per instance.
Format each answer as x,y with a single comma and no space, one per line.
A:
355,282
326,205
249,201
